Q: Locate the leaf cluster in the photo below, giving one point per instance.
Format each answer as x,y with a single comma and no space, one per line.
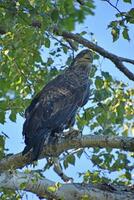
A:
122,22
30,56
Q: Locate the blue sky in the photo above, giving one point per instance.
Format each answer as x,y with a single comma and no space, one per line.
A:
98,25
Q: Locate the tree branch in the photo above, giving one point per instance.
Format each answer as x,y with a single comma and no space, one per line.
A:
117,60
48,189
18,161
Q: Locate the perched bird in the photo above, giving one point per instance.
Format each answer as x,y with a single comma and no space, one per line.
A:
54,108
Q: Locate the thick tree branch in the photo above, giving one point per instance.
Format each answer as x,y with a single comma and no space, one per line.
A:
43,188
117,60
18,161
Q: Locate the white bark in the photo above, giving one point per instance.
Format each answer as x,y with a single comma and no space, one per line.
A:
69,191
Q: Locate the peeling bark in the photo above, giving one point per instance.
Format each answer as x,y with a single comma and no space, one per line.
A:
69,191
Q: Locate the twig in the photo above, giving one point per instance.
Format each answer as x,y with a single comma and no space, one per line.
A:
72,45
117,2
58,169
59,41
114,6
29,85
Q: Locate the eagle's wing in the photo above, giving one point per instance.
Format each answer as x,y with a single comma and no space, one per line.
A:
52,108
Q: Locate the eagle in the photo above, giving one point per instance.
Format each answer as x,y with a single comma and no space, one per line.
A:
54,108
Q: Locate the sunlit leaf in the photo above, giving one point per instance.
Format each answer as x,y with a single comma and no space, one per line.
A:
115,33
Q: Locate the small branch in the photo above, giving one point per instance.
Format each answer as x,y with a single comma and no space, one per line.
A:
21,73
55,162
118,61
114,6
59,171
58,40
18,161
42,188
127,60
117,2
72,45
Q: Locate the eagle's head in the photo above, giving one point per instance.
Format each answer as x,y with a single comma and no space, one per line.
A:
84,56
83,61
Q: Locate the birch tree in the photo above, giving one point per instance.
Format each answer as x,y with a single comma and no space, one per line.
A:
38,39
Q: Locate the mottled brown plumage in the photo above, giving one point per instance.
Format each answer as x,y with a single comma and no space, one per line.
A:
54,108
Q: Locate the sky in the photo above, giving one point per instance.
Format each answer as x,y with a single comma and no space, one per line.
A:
98,25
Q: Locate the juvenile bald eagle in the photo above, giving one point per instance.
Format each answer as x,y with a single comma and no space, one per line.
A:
54,108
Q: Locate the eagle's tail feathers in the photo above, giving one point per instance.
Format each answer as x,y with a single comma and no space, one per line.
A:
37,143
26,149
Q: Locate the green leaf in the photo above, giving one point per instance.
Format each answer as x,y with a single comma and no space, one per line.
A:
55,15
101,119
128,175
113,24
107,76
2,145
130,17
50,61
115,33
51,189
65,163
23,185
65,49
2,117
83,33
125,34
96,160
127,1
96,57
68,23
102,94
79,153
131,12
12,116
120,113
3,105
71,159
85,197
99,82
47,42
